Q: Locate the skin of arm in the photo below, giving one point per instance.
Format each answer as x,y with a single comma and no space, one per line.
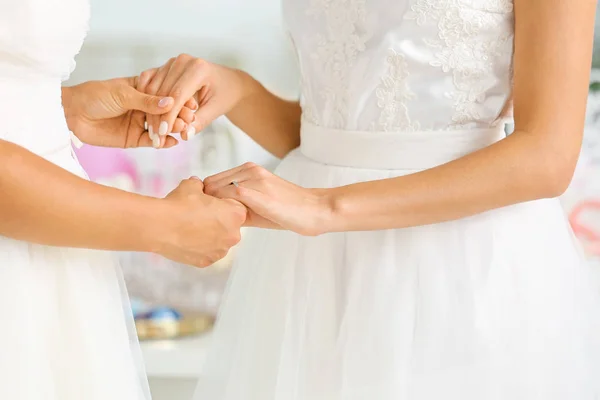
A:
44,204
274,123
552,58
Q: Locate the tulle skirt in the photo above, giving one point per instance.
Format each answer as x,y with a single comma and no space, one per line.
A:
67,330
497,306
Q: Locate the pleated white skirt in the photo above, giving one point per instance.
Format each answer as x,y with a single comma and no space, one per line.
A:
67,332
498,306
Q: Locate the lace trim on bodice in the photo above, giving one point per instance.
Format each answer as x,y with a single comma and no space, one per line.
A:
458,50
345,38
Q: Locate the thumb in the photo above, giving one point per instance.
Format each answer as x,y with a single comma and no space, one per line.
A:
258,202
196,183
187,187
154,105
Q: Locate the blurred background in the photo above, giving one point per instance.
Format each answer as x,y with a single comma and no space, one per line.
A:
129,36
173,301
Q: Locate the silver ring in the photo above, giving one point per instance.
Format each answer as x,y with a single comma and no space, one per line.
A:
235,183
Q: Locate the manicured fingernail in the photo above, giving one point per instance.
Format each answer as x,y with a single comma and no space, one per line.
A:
145,125
191,132
151,132
163,128
164,102
156,142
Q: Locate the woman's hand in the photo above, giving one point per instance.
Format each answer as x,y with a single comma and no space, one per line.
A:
273,202
198,229
216,89
112,113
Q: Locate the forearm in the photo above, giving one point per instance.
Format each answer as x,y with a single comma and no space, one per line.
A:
511,171
274,123
42,203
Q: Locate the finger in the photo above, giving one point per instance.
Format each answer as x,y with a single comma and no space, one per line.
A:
169,142
255,220
146,140
155,105
180,126
155,83
187,115
242,177
153,88
204,117
225,175
175,73
260,203
182,90
238,211
192,185
192,104
194,182
145,78
225,192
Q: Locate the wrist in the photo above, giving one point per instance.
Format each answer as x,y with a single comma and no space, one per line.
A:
150,225
248,86
327,217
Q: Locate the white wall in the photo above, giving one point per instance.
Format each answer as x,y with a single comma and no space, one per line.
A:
248,33
128,36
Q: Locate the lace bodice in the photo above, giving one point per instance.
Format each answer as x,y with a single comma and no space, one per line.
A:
403,65
41,37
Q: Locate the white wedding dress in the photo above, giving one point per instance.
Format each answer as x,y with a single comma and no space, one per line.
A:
67,331
498,306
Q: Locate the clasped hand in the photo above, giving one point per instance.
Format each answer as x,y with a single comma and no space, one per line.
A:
271,201
182,97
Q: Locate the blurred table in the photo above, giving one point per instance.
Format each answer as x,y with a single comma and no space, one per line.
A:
173,366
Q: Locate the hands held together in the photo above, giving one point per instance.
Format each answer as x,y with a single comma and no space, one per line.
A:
202,220
181,97
203,91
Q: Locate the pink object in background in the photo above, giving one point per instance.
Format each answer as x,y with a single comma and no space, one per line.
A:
104,164
588,235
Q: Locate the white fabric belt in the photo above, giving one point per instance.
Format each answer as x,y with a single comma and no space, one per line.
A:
393,150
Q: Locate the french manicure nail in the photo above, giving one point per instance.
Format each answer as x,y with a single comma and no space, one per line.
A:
145,125
163,128
156,142
191,132
151,132
164,102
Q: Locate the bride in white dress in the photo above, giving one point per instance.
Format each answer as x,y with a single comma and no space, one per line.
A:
67,331
427,256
